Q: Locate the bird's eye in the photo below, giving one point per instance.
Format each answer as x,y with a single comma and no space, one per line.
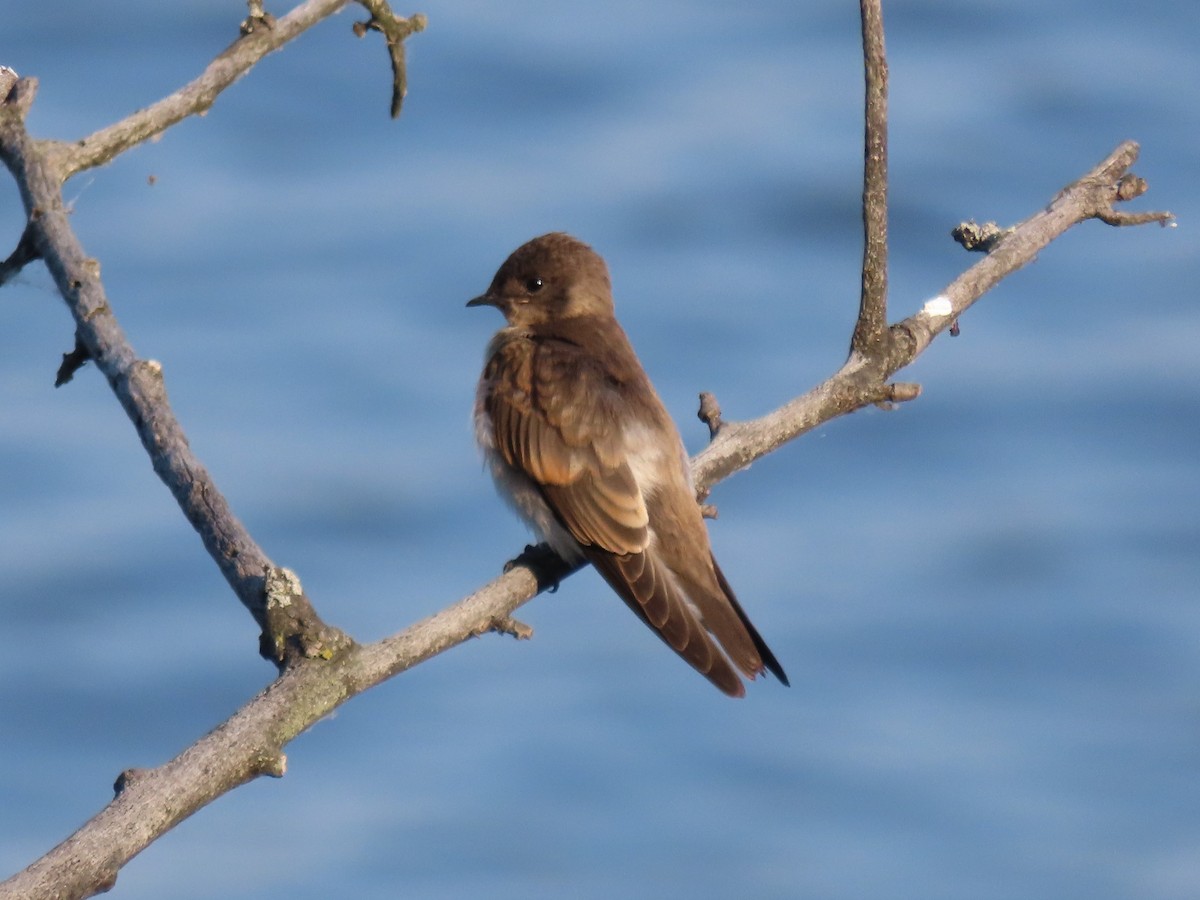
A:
533,285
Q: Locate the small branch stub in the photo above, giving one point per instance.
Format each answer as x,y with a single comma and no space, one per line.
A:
24,253
72,362
273,765
293,631
902,392
126,780
710,414
510,626
258,18
979,238
1130,186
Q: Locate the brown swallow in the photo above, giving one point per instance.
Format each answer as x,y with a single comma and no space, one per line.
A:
579,443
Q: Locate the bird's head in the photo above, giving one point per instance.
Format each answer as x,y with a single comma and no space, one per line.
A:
551,277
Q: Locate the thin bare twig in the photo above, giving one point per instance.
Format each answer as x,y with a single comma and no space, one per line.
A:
395,30
195,97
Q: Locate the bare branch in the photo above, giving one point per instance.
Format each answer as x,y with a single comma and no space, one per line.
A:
290,630
149,802
870,332
197,96
862,380
395,30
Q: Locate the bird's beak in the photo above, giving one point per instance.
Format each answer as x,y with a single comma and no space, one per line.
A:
483,300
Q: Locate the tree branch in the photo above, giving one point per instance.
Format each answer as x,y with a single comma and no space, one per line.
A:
291,628
870,331
193,98
862,381
289,631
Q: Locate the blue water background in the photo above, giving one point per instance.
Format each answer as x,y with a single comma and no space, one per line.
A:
987,600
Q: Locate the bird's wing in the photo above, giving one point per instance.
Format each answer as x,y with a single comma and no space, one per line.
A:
556,415
650,589
553,418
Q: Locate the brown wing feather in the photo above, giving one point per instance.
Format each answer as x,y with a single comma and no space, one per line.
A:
554,416
545,434
650,593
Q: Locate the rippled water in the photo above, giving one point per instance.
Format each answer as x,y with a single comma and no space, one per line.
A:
986,600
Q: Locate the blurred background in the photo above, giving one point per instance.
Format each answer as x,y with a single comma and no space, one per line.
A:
986,600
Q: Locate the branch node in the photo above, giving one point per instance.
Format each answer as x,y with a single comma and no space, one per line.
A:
102,309
71,363
979,238
16,93
273,765
507,625
1130,186
897,392
106,878
152,367
258,17
24,253
395,30
292,630
127,779
710,413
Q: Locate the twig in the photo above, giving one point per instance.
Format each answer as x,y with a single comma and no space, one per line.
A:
870,331
395,30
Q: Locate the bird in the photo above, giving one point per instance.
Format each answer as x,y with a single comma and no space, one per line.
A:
580,445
